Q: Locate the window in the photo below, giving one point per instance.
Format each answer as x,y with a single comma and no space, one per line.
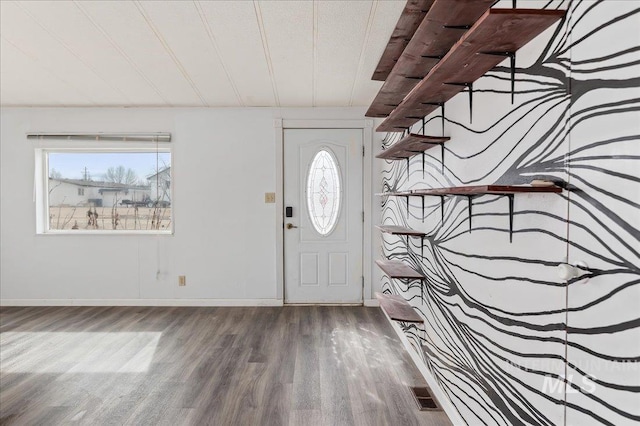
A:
323,192
105,191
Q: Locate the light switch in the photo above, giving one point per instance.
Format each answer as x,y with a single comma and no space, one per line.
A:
269,197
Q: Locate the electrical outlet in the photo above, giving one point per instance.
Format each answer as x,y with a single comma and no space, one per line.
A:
269,197
182,280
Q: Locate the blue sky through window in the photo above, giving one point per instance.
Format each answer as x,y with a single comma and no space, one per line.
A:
72,165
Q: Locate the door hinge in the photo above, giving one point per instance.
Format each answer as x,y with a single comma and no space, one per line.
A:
362,282
362,217
363,150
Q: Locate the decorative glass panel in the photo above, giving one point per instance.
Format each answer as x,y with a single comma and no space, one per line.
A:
323,192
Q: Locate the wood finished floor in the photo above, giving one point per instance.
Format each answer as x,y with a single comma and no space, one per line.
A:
205,366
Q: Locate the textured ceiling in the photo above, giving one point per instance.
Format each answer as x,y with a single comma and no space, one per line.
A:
192,53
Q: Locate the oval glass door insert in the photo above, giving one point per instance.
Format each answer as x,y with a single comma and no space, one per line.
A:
323,192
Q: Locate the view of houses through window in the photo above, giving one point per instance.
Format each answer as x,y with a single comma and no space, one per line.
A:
109,191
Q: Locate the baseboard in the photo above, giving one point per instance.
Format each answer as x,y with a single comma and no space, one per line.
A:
445,403
371,303
141,302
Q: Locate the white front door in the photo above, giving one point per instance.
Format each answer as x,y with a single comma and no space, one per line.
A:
323,215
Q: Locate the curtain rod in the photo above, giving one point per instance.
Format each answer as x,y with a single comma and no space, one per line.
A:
100,136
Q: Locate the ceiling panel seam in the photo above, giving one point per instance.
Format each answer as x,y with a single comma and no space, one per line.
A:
70,50
214,43
267,53
365,43
122,52
50,72
170,52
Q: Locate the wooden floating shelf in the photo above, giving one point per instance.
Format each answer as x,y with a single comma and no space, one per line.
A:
394,194
408,232
487,189
410,19
399,230
398,309
477,190
473,191
397,269
440,29
480,49
411,145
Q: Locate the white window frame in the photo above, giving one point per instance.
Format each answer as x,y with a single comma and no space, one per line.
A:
41,181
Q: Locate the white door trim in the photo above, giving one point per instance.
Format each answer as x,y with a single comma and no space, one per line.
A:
367,137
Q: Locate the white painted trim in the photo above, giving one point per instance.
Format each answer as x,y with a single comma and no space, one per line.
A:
324,124
367,189
371,303
279,138
367,139
445,403
42,148
101,232
141,302
40,199
322,304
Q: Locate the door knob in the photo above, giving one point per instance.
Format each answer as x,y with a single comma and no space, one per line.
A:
291,226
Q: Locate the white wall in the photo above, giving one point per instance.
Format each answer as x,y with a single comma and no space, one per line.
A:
224,160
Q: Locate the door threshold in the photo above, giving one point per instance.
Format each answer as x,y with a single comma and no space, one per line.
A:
322,304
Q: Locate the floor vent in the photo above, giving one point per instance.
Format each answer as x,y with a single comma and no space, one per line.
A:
426,402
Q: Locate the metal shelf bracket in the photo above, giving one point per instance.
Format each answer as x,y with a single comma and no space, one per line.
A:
470,87
512,57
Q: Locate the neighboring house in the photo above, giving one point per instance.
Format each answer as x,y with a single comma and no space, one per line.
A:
79,192
160,185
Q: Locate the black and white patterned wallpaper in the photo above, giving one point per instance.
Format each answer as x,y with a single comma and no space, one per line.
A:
508,341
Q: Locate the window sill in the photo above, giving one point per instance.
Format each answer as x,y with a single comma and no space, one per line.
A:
108,233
